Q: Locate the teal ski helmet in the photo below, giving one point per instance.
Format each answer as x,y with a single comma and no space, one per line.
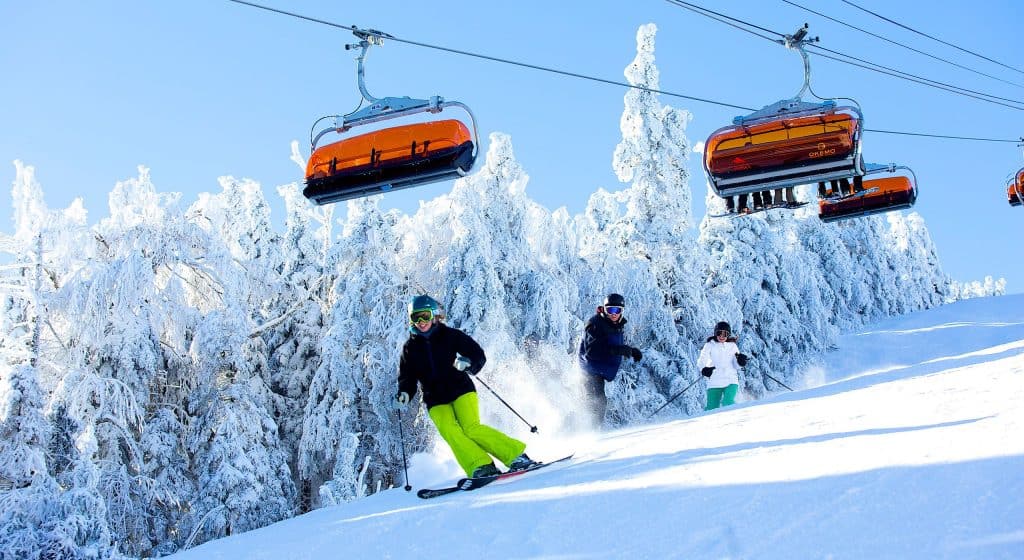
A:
424,303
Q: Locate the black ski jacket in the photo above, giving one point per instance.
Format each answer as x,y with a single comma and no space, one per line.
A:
603,346
428,360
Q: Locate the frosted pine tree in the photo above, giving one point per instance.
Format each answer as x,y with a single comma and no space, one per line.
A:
24,430
350,440
293,340
241,467
667,304
923,279
239,218
504,292
126,326
843,290
869,243
27,490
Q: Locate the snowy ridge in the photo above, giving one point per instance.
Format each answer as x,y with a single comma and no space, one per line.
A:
910,448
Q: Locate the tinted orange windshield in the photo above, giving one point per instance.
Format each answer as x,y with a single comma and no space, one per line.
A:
781,142
386,145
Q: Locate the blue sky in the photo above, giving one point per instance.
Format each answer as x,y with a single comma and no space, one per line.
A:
199,89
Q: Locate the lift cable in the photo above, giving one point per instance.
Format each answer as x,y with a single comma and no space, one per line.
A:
582,76
918,79
895,73
933,38
897,43
496,59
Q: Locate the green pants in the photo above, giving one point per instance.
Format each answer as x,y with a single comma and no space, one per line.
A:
721,396
472,442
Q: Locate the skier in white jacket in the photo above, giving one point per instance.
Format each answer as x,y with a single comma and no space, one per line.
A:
720,360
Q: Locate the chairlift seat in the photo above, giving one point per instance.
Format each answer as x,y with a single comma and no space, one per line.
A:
884,194
389,159
784,151
1015,188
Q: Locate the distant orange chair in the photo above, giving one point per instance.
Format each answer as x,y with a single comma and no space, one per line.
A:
1015,188
879,195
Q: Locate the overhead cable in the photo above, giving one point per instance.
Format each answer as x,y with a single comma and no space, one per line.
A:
897,43
914,78
933,38
502,60
892,71
679,3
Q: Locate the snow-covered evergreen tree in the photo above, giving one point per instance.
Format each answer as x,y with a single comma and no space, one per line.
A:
294,341
922,277
24,430
349,437
240,466
665,300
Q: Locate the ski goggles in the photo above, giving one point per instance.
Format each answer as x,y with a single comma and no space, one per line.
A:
424,316
614,309
722,333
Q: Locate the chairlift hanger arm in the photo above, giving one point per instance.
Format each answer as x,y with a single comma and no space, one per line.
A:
385,108
796,42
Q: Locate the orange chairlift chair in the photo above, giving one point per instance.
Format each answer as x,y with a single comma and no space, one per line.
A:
390,158
788,143
1015,189
884,194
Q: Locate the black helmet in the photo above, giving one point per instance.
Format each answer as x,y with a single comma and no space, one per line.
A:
723,326
615,300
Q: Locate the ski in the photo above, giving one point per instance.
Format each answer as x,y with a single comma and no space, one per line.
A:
467,484
751,211
858,194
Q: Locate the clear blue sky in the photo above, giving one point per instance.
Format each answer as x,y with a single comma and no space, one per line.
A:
199,89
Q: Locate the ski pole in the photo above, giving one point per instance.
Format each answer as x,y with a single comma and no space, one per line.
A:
676,396
776,380
405,464
532,428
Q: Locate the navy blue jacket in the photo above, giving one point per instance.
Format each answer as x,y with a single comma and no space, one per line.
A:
603,347
428,360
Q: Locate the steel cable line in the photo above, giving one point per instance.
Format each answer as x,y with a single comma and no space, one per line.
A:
932,38
895,73
897,43
495,59
722,18
918,79
582,76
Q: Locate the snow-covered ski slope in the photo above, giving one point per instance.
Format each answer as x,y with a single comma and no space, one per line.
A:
910,446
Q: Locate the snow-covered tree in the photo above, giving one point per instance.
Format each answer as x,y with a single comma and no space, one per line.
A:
652,237
240,466
24,430
293,340
349,436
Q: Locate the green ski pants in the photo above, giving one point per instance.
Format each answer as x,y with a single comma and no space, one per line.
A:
721,396
472,442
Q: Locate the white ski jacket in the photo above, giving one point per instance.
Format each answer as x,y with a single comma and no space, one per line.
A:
721,356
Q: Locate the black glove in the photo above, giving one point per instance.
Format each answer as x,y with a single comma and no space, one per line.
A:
741,359
706,372
401,400
636,354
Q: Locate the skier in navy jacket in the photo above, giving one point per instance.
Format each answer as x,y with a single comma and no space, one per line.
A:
601,352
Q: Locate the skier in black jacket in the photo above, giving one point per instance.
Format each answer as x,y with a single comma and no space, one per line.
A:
441,359
601,352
